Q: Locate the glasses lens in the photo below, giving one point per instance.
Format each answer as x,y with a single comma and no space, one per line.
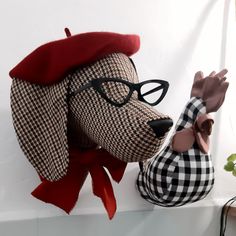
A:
115,91
151,92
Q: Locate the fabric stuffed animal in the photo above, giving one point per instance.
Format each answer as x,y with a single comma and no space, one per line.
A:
77,107
183,172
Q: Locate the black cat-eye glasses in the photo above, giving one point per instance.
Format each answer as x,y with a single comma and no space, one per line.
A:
118,91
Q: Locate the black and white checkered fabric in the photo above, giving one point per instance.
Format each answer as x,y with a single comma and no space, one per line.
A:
174,179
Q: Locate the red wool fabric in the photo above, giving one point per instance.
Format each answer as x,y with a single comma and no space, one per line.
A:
65,192
51,62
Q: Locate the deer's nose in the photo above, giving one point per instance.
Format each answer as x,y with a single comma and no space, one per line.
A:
160,127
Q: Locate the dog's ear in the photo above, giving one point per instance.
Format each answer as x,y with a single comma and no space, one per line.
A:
40,120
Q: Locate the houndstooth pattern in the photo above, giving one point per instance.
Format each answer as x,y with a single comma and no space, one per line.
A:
40,119
174,179
45,118
122,131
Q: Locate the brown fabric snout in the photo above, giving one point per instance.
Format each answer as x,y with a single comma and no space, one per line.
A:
122,131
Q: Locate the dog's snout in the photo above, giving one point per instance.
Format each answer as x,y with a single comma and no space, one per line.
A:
160,127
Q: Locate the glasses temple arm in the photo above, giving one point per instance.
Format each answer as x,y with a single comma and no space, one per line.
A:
82,88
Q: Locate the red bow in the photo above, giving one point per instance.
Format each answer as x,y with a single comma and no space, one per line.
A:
199,132
65,192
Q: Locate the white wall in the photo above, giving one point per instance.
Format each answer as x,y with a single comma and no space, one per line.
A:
177,39
225,133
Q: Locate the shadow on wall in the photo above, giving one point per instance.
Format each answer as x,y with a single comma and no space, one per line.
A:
190,43
13,164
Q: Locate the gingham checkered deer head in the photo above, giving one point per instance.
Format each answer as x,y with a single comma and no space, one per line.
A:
183,172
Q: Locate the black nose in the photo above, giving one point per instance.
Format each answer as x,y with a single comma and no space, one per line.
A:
160,127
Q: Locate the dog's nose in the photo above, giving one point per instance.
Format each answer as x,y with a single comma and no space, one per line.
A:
160,127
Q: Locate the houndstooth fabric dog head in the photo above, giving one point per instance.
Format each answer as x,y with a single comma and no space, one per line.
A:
45,117
173,178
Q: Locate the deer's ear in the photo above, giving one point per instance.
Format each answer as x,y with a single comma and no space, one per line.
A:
183,140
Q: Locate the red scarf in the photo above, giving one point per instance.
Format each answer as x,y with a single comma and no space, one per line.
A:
65,192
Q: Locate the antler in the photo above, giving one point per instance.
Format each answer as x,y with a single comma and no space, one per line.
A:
210,89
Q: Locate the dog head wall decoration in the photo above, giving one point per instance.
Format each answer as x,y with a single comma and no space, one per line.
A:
71,96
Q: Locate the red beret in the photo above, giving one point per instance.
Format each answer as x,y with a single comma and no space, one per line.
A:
51,62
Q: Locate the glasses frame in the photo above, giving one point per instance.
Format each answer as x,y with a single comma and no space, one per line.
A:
96,85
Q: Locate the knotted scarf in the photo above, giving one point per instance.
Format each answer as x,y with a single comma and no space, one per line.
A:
64,193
